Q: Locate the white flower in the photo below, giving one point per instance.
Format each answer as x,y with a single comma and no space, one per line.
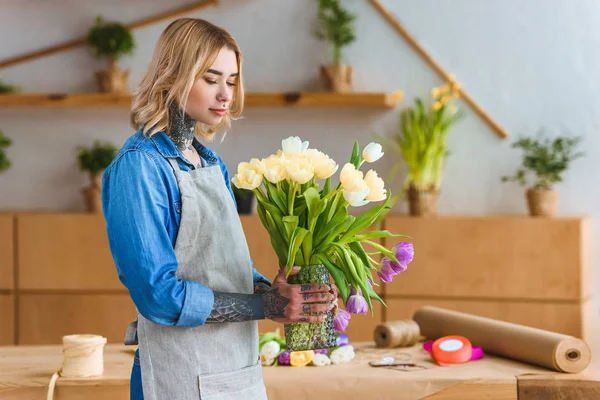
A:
250,174
293,146
323,165
266,361
321,360
342,355
300,169
377,191
270,350
372,152
354,187
275,168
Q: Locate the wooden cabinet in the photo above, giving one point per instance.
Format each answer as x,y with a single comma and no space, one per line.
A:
531,271
65,252
7,319
7,250
45,318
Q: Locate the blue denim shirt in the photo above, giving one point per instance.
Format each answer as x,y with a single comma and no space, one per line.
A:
142,207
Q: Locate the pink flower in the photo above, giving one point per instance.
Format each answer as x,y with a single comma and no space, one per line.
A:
340,322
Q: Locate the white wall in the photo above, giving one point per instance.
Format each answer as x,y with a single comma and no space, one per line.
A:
529,64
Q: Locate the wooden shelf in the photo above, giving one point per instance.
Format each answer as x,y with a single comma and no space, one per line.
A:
291,99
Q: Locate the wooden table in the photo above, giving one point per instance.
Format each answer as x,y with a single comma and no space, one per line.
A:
25,372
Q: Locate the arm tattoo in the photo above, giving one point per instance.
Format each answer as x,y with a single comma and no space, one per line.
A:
236,307
275,304
261,288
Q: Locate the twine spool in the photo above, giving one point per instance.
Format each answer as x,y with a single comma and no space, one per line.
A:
82,358
401,333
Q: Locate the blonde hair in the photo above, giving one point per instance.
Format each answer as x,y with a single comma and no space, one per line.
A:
184,52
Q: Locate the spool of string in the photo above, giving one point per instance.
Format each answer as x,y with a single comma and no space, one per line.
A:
400,333
82,358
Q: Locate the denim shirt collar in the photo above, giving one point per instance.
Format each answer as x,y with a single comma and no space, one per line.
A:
167,149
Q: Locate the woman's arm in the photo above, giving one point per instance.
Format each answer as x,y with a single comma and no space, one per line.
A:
136,207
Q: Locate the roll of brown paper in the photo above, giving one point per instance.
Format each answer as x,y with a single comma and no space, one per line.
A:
522,343
397,333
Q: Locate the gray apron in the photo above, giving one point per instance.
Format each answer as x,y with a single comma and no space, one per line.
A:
214,361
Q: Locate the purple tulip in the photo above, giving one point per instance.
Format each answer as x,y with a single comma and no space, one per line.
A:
321,351
284,358
340,322
404,252
357,304
342,340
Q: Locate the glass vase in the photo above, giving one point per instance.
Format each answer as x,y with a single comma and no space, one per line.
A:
311,335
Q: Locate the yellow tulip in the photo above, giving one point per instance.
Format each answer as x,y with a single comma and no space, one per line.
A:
275,168
250,174
323,166
300,169
437,105
377,191
301,358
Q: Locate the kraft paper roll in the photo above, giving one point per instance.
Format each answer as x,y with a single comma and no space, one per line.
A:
397,333
552,350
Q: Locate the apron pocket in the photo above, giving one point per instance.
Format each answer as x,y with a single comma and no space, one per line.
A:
245,383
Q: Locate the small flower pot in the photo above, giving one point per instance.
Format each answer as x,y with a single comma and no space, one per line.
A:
337,77
92,194
542,203
422,203
302,336
113,79
244,200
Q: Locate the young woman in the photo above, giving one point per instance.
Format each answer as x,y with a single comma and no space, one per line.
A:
175,235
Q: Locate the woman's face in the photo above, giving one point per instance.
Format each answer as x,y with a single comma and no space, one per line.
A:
212,93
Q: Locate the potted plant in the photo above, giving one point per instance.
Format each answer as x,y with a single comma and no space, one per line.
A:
111,41
547,160
94,160
336,26
7,88
421,144
4,143
244,199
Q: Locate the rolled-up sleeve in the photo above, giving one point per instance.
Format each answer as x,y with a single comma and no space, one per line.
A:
136,208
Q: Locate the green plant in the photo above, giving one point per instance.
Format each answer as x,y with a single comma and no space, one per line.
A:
421,142
8,88
336,26
546,159
96,158
4,143
111,40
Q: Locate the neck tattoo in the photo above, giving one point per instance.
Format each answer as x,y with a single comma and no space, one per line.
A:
182,128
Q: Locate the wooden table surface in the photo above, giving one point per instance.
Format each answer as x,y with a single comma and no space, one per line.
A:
25,372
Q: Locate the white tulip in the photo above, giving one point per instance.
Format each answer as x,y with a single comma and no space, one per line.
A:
341,355
377,191
321,360
356,199
266,361
250,174
270,350
293,146
300,169
372,152
323,165
275,168
351,178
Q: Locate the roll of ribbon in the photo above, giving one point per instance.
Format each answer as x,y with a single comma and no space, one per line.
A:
451,350
522,343
82,357
398,333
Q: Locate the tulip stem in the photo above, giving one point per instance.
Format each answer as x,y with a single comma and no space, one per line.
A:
291,199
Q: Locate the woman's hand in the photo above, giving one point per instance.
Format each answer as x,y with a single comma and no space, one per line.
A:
287,303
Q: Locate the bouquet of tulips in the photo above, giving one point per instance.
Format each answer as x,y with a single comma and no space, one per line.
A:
309,224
